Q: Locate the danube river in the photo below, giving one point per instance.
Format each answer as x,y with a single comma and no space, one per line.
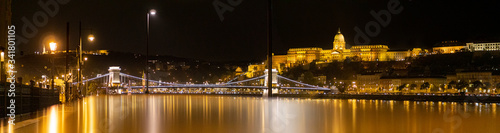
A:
238,114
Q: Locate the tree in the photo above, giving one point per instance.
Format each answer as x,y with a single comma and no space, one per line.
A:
497,87
451,85
487,85
309,78
476,85
341,87
435,88
442,87
401,87
413,86
461,85
425,86
93,88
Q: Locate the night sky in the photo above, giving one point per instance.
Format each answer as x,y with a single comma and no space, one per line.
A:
192,28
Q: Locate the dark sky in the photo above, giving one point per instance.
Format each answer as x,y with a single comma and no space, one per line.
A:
192,28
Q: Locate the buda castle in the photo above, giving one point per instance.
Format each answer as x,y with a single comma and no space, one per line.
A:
339,52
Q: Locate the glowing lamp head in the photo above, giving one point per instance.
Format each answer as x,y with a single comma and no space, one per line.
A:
52,46
152,12
91,37
2,56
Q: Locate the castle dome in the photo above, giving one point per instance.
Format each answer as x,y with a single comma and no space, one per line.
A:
339,41
339,37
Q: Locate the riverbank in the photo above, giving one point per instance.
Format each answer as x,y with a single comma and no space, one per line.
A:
481,99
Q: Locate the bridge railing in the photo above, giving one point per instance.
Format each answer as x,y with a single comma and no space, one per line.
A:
27,99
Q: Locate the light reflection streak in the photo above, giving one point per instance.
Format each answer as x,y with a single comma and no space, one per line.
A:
354,109
62,117
494,110
53,121
153,119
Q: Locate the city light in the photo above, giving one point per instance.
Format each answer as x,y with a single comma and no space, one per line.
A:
2,56
152,12
91,37
52,46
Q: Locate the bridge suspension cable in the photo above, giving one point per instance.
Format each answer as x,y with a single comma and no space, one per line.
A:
236,77
304,84
127,75
263,76
92,78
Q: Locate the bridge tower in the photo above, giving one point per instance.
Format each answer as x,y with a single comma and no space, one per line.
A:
274,80
114,76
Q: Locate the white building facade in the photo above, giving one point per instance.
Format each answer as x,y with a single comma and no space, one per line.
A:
495,46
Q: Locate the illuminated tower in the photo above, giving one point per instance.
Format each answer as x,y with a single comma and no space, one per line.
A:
339,42
114,75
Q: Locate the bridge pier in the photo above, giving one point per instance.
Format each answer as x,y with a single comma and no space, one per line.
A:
274,82
114,76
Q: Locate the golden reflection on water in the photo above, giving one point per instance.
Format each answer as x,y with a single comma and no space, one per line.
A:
214,114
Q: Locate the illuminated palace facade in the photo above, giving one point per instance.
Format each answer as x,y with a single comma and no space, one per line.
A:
339,52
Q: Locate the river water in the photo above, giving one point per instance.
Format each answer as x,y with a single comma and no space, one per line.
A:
239,114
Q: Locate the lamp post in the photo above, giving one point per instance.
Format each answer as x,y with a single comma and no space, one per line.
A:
269,48
52,46
151,12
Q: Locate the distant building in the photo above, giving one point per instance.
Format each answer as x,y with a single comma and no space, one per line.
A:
448,47
256,70
494,46
89,52
368,81
484,77
377,82
238,71
321,79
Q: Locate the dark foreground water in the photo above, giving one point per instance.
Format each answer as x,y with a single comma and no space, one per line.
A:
233,114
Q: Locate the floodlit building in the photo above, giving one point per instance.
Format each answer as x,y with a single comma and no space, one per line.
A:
368,81
474,76
448,47
473,47
255,70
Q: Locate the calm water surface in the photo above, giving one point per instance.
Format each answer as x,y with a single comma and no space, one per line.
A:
233,114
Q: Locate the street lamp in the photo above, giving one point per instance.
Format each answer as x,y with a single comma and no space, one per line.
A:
151,12
80,59
91,37
52,46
